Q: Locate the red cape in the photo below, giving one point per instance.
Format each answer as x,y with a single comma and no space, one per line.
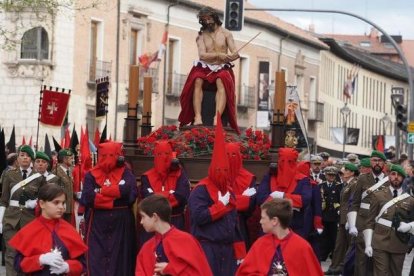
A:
297,254
35,239
186,99
184,253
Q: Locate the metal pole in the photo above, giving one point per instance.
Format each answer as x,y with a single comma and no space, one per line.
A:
344,141
397,141
390,39
118,30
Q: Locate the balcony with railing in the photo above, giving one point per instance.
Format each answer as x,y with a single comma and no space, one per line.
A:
98,69
247,98
150,72
315,112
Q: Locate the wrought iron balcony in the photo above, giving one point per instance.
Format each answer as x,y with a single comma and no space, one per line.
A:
99,69
315,112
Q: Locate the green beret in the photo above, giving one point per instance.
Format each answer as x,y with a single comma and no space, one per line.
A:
42,155
65,152
351,167
398,169
376,153
27,149
365,162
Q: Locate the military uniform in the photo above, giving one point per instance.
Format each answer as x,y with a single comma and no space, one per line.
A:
66,181
330,195
16,214
361,204
388,250
343,239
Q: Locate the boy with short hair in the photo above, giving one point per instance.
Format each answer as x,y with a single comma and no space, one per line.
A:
170,251
280,250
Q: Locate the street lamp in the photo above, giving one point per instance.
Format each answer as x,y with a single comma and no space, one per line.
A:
345,111
386,120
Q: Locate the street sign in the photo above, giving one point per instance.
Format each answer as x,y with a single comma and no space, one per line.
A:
410,138
410,127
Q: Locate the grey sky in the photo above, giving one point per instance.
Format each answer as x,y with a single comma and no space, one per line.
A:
396,17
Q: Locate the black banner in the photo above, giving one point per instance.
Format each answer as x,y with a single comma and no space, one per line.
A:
102,88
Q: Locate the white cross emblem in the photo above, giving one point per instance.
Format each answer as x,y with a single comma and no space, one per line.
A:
52,107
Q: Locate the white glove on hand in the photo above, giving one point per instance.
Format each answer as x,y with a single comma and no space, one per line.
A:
351,219
30,204
368,251
51,259
171,192
319,230
277,194
367,239
353,231
249,192
64,268
346,226
404,227
224,199
239,262
150,190
2,210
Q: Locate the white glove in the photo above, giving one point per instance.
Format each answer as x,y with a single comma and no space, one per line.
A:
239,262
63,268
30,204
224,199
346,226
122,182
353,231
367,239
249,192
277,194
150,190
2,210
319,230
51,259
405,227
171,192
78,195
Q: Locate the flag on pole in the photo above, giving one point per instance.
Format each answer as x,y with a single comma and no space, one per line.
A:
97,137
349,86
11,144
56,144
146,59
23,140
53,107
67,138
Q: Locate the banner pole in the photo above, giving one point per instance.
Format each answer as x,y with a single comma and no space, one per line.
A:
38,116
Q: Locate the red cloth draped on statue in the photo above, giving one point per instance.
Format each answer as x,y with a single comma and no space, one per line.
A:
186,99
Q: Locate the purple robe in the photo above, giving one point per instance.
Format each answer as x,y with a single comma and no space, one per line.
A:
215,236
182,192
302,220
110,233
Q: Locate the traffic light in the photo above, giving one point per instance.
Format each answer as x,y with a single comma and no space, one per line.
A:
401,114
234,15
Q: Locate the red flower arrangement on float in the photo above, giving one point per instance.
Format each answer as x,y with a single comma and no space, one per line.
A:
199,141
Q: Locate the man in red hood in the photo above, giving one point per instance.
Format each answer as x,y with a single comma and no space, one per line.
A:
290,184
109,192
213,213
243,184
166,178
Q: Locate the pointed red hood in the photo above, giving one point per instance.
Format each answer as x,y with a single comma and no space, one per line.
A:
218,172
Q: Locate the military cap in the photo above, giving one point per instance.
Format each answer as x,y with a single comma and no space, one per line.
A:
316,159
398,169
65,152
42,155
330,170
27,149
352,157
365,162
324,155
376,153
351,167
